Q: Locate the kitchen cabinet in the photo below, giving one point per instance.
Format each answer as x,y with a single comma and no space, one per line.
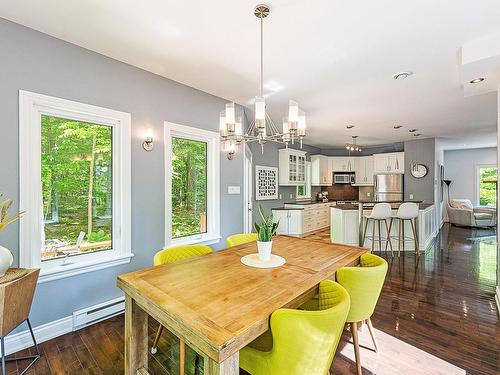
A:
364,169
299,219
290,222
392,162
342,163
292,167
321,173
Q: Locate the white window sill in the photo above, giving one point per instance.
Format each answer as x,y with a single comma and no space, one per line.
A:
60,272
195,241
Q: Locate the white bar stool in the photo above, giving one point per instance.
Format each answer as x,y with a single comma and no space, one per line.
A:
380,212
407,211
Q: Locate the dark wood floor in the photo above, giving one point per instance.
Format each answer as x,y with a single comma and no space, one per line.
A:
441,304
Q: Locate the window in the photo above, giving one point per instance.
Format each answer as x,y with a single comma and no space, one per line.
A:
304,191
192,185
487,185
75,186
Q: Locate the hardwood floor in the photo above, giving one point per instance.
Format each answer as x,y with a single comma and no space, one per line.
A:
436,315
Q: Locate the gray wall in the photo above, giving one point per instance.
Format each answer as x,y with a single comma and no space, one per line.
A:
423,151
270,159
460,168
32,61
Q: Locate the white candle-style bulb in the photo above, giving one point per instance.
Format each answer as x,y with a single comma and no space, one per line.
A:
293,111
222,124
238,128
302,124
230,113
260,109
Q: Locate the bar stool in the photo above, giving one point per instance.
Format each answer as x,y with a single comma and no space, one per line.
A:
380,212
407,211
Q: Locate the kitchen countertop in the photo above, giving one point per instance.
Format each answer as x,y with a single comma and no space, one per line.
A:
422,206
287,208
307,203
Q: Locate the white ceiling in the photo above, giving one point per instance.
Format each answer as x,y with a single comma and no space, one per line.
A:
336,58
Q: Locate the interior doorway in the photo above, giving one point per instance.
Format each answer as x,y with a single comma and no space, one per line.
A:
247,191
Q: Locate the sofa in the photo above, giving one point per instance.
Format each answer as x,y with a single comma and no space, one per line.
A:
461,212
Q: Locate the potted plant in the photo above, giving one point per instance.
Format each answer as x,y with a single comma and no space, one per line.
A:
6,257
265,232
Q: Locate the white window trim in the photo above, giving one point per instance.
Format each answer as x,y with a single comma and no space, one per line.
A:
477,190
31,107
213,184
307,185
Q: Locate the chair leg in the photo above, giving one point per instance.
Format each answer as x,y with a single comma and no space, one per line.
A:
388,227
403,234
399,237
373,236
154,348
372,333
355,340
379,236
415,237
364,232
182,356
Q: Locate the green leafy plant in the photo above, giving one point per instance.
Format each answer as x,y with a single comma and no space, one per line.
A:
267,229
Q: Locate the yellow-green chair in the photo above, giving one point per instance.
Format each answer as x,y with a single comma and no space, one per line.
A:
364,285
240,239
300,342
173,255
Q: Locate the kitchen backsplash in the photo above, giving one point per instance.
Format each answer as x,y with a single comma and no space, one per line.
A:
342,192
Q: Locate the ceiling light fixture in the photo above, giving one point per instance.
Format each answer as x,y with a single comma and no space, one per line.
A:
398,126
402,75
353,146
412,130
262,128
350,126
477,80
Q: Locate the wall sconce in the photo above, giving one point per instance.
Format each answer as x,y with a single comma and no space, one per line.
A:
148,142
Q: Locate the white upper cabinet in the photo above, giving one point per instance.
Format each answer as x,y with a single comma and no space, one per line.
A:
364,170
342,164
292,167
321,173
393,162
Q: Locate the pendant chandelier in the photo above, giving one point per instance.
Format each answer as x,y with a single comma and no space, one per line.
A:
353,146
262,128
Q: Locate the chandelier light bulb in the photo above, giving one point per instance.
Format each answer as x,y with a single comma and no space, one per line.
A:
230,113
293,111
260,110
301,126
222,124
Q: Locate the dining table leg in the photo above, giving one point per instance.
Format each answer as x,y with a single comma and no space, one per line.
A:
136,338
230,366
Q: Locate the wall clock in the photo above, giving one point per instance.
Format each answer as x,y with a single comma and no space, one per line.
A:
419,171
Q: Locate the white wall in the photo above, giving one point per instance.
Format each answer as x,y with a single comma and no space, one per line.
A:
460,168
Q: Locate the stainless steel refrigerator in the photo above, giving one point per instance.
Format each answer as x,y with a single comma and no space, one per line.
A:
389,187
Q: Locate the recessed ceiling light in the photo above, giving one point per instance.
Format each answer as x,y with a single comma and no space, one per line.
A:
417,134
412,130
477,80
398,126
402,75
350,126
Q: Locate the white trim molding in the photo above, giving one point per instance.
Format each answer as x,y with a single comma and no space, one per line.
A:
213,183
497,299
31,107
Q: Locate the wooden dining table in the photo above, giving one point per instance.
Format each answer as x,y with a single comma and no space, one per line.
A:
218,305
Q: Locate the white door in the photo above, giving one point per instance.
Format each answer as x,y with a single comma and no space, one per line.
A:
295,222
247,192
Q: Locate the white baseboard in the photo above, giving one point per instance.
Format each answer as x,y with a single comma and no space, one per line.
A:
50,330
22,340
497,298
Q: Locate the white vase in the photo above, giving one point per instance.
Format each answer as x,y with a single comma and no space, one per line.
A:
264,249
6,260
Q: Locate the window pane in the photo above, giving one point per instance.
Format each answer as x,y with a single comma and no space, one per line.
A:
189,187
76,187
301,190
488,186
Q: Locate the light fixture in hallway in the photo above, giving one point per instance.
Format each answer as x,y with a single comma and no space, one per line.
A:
262,128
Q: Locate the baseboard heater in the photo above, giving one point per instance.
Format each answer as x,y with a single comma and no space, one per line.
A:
97,313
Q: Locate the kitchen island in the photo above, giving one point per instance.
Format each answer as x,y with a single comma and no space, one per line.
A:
347,223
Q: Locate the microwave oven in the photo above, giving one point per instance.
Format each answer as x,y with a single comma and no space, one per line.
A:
343,178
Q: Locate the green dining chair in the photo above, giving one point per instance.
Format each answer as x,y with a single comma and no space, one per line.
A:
173,255
364,285
300,342
240,239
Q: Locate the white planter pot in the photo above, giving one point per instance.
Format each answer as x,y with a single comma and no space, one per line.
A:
264,249
6,260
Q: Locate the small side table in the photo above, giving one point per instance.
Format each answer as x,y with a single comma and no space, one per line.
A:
17,288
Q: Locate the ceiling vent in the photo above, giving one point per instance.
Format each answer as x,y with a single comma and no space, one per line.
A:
402,75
